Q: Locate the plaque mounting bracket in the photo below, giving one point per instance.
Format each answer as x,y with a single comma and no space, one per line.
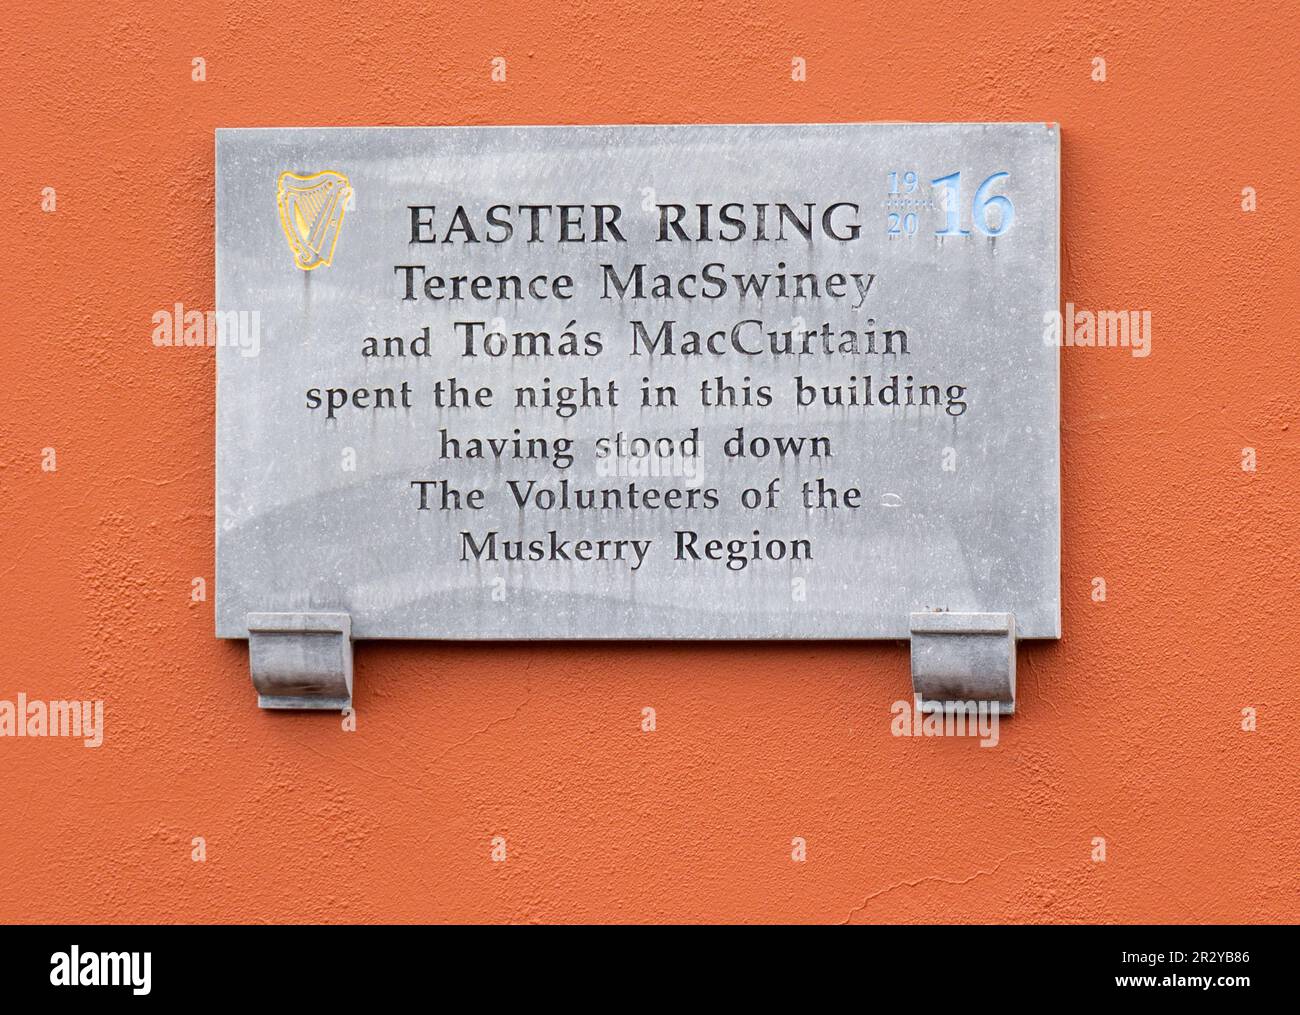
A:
301,660
959,658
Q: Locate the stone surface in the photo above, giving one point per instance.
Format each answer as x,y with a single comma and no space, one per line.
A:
958,504
301,660
962,658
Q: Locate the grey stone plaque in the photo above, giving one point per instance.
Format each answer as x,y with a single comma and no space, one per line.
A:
710,382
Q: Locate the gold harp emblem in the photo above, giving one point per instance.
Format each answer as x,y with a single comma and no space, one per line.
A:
311,214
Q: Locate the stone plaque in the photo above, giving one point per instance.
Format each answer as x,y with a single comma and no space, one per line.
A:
700,382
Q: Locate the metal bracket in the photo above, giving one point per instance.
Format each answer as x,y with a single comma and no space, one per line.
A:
301,660
964,657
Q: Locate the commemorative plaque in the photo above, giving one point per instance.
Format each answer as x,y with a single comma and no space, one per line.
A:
637,382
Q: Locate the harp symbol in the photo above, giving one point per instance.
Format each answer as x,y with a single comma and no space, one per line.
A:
311,214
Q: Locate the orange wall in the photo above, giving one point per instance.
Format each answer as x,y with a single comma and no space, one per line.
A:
1129,728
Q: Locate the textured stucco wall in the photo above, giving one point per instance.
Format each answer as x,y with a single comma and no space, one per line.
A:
1129,728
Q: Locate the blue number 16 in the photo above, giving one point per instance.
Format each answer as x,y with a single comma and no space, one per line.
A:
951,185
